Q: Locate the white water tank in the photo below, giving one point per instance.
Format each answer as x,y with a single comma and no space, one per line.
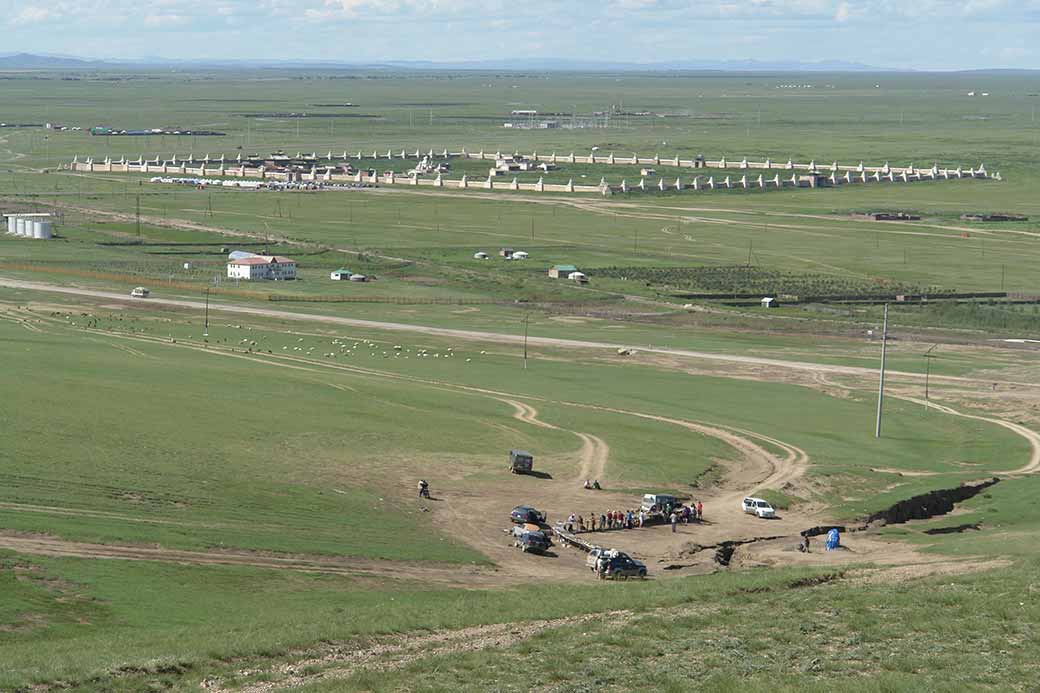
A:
42,229
12,224
20,226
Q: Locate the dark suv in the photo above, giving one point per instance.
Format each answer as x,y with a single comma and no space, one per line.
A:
530,540
622,567
523,514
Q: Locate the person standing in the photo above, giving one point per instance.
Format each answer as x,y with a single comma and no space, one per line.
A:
700,511
675,522
592,521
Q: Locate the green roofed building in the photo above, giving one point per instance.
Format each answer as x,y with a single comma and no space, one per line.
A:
561,271
341,275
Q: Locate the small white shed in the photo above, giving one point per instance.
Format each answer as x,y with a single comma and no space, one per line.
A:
769,302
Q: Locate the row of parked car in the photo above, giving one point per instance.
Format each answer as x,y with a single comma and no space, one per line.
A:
528,533
531,536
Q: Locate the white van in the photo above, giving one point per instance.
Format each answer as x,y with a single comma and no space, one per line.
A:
757,506
139,292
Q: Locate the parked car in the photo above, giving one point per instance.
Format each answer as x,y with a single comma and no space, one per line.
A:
622,567
522,514
659,502
530,541
139,292
757,506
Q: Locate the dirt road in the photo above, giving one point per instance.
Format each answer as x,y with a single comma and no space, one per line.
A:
469,335
445,574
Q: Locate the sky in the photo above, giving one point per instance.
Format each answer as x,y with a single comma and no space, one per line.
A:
919,34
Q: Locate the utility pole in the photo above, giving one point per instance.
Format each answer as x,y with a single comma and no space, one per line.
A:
205,331
881,385
927,368
526,318
137,216
1003,275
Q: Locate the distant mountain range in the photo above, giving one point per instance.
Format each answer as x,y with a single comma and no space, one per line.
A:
30,61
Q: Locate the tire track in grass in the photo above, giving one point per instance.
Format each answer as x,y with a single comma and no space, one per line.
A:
594,450
340,661
1031,436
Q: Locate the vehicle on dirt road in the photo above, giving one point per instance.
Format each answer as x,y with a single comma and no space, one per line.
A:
530,540
140,292
520,462
758,507
593,556
622,567
659,502
523,514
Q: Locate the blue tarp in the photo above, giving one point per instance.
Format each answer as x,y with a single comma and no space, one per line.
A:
833,539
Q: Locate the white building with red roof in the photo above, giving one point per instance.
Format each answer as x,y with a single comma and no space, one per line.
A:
261,267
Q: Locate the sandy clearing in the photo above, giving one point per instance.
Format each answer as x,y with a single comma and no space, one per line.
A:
477,505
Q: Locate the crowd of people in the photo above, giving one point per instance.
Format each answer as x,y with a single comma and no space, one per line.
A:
629,519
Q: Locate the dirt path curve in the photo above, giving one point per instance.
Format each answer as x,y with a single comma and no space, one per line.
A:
474,335
594,450
445,574
764,470
1033,438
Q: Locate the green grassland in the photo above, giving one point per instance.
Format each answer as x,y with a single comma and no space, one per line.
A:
182,454
123,426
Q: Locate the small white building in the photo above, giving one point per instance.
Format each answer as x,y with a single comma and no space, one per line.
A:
480,255
340,275
769,302
520,255
262,267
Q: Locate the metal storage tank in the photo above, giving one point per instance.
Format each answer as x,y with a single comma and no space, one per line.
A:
12,224
42,229
20,226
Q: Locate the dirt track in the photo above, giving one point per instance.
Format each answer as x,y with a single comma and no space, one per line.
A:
1033,437
472,505
468,576
754,467
474,335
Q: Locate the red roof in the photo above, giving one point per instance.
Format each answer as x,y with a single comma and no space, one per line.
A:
262,261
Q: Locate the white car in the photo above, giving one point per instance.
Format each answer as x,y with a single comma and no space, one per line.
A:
139,292
757,506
